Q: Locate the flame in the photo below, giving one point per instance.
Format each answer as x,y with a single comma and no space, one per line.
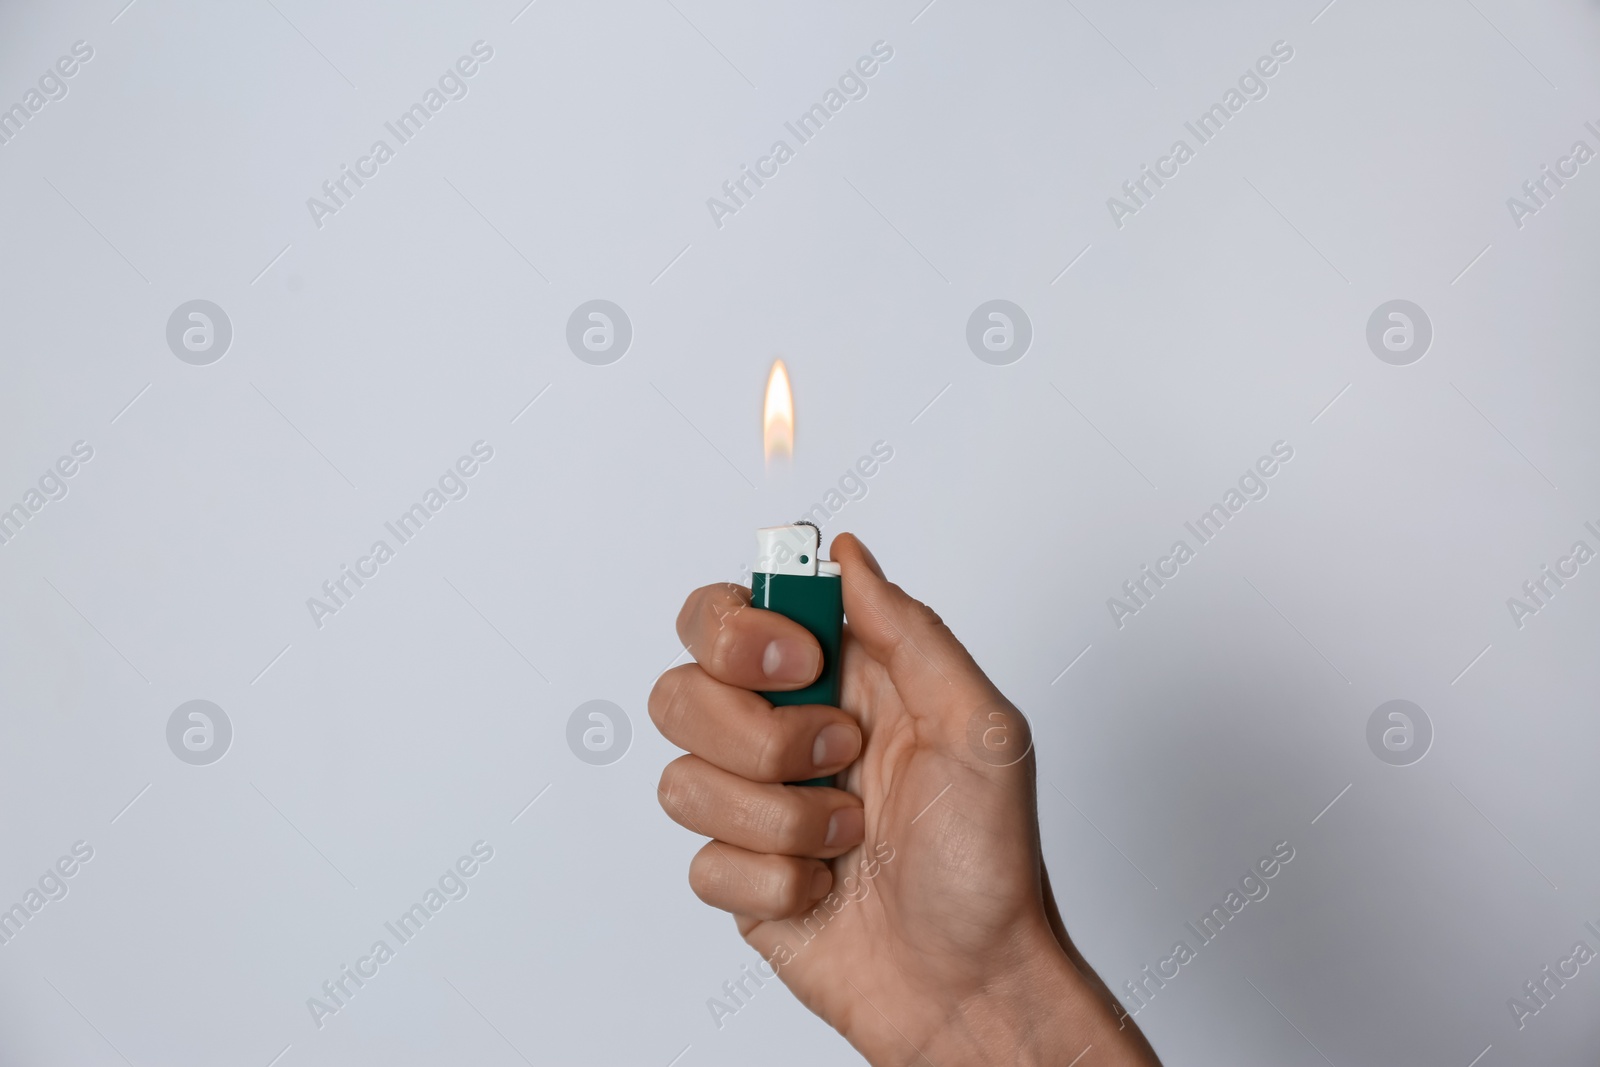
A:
777,414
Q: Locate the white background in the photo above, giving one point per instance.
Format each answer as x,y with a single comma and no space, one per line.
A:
369,353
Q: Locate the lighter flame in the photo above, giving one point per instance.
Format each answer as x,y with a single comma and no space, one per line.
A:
777,415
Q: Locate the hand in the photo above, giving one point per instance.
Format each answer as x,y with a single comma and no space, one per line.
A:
909,907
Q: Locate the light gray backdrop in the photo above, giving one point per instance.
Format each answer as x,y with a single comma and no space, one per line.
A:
1174,341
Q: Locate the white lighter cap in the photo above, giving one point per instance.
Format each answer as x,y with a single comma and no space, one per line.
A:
788,550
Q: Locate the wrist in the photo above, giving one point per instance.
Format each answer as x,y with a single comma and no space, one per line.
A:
1039,1011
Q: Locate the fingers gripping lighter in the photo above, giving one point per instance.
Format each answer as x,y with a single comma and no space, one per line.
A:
789,578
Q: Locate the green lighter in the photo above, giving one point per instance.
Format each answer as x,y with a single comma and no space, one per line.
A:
790,579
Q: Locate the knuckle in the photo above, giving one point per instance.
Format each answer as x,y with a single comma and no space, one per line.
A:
664,790
721,647
708,877
771,751
668,698
792,887
694,607
729,599
661,697
708,609
675,793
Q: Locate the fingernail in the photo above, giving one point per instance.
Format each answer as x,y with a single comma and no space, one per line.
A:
836,745
790,660
846,827
821,879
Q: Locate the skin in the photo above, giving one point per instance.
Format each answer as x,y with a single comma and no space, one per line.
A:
909,908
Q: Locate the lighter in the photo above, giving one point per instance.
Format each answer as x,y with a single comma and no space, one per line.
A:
790,579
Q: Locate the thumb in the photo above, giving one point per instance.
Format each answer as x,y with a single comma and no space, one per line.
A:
931,669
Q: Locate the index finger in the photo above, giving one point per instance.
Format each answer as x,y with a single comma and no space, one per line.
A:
747,646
